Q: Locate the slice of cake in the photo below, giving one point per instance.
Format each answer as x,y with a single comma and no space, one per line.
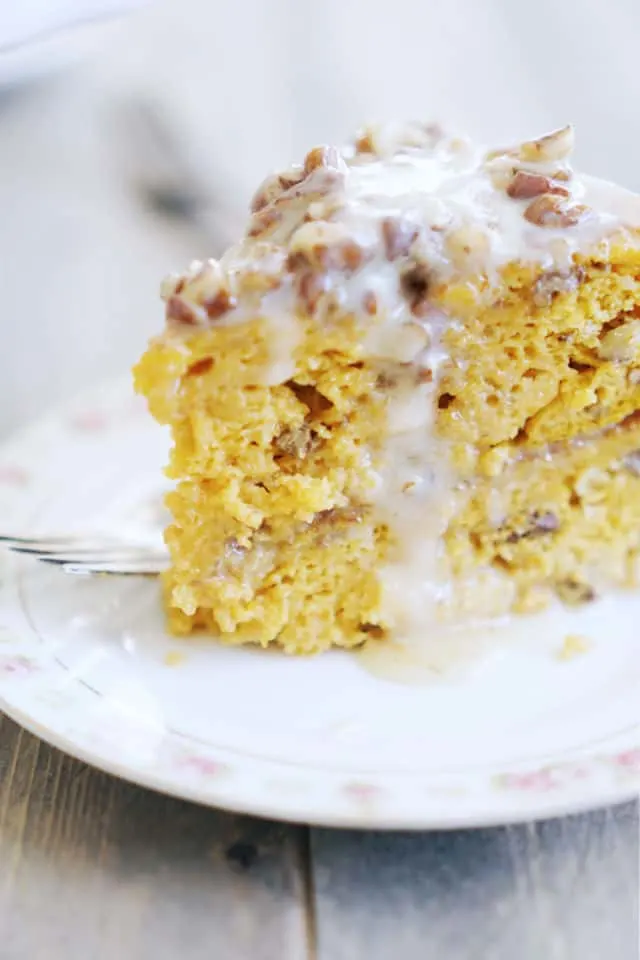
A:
409,396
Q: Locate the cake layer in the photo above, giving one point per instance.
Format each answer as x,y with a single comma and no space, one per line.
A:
407,395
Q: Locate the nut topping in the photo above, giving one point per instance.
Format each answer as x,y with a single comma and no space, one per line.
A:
557,145
526,185
219,304
180,312
274,186
327,157
295,442
555,212
415,282
370,303
397,237
468,247
324,246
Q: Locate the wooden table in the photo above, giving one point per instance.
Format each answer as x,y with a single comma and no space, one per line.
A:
91,867
95,869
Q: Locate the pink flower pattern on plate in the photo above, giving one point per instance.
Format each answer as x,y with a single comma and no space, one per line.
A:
545,779
364,793
17,666
206,766
89,420
13,475
629,760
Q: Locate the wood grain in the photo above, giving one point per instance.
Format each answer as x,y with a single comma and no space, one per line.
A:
93,867
560,890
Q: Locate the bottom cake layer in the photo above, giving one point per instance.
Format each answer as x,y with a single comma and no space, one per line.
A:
564,524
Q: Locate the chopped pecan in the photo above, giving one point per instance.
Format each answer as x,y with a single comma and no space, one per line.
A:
415,283
294,442
219,304
575,592
329,524
311,288
553,146
264,221
174,283
180,312
445,400
397,237
468,247
538,525
351,514
199,367
324,156
274,186
552,211
370,303
387,139
325,246
548,285
526,186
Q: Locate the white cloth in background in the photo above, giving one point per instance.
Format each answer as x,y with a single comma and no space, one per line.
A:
264,80
26,21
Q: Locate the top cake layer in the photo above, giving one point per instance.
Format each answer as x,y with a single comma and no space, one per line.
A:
381,225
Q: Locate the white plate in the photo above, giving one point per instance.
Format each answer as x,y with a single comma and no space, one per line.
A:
86,665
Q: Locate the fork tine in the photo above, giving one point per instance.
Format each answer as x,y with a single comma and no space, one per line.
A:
86,554
149,567
54,543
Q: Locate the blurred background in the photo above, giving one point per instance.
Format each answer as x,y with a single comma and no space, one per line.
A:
132,143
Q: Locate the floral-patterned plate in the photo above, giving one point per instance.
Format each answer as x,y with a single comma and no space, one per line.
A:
545,721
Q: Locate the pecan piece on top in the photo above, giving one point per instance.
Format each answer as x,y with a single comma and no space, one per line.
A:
556,145
324,157
321,245
264,222
181,312
526,185
312,289
415,283
219,304
552,211
274,186
397,237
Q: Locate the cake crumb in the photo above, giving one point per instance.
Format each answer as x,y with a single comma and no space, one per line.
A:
174,658
573,646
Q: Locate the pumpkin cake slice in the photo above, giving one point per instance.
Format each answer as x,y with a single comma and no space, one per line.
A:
409,396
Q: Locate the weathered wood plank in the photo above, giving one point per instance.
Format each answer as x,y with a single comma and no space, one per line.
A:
561,890
93,867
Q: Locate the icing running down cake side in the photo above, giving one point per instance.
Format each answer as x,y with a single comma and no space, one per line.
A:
407,398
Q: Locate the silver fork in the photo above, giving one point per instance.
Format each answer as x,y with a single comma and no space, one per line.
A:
91,556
